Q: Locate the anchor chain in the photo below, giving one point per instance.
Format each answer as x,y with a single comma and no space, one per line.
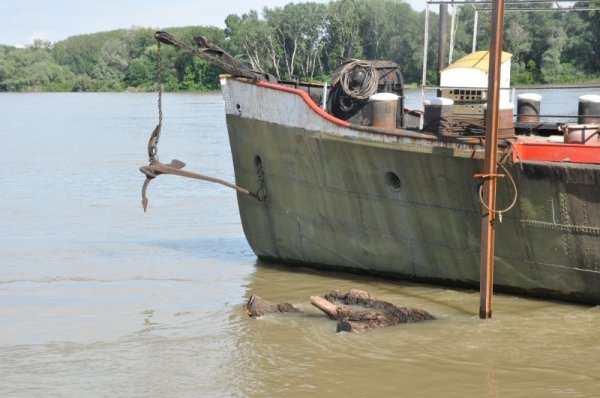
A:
215,55
156,168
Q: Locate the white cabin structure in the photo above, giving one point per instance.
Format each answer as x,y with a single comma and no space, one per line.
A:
465,82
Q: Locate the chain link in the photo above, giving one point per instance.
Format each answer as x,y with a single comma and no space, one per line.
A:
209,52
159,82
155,137
215,55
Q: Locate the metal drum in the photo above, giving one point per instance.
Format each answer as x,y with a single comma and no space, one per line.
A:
584,134
506,125
384,107
528,108
438,114
589,109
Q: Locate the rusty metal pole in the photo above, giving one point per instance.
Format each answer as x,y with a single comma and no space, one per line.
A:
490,167
442,43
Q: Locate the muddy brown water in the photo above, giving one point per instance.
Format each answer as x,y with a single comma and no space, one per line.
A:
99,299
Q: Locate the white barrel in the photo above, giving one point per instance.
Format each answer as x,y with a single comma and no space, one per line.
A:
384,107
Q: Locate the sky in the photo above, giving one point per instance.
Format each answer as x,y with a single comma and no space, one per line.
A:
21,21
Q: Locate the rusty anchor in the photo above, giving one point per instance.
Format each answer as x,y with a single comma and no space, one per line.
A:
156,168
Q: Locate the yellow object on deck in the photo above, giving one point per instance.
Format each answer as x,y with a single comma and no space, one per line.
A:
478,60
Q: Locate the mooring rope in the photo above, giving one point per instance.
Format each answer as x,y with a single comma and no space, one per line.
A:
514,201
369,84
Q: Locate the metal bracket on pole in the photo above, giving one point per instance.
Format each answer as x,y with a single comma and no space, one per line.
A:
488,176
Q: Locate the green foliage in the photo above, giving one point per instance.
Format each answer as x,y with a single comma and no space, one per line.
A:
343,40
307,39
139,72
248,37
31,69
112,62
522,74
199,75
80,53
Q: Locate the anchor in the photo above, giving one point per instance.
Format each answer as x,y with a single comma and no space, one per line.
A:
155,167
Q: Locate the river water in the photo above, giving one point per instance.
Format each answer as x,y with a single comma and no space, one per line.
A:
98,299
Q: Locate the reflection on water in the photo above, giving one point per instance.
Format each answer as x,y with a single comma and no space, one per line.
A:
99,299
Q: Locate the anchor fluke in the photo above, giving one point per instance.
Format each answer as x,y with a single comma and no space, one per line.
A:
144,198
177,164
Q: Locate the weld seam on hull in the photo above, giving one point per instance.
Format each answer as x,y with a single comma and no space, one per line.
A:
576,229
586,270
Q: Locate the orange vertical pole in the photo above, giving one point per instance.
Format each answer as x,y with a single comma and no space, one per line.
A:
490,167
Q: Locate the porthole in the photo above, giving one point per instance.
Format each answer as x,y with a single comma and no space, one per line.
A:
393,181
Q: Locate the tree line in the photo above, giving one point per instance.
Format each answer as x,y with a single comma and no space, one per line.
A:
306,40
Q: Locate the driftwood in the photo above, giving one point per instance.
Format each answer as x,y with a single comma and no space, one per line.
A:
357,311
377,314
257,306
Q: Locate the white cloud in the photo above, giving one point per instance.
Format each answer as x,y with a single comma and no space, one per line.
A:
38,35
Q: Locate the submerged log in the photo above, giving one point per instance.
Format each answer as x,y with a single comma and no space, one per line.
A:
257,306
357,311
338,306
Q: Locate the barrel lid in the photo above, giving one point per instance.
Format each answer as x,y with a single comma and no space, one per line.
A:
439,101
530,97
383,97
590,98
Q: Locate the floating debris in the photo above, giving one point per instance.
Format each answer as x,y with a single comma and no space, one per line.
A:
357,311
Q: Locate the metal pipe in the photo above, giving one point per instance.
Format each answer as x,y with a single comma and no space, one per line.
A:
506,2
475,30
452,34
425,50
442,40
513,95
490,168
571,9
